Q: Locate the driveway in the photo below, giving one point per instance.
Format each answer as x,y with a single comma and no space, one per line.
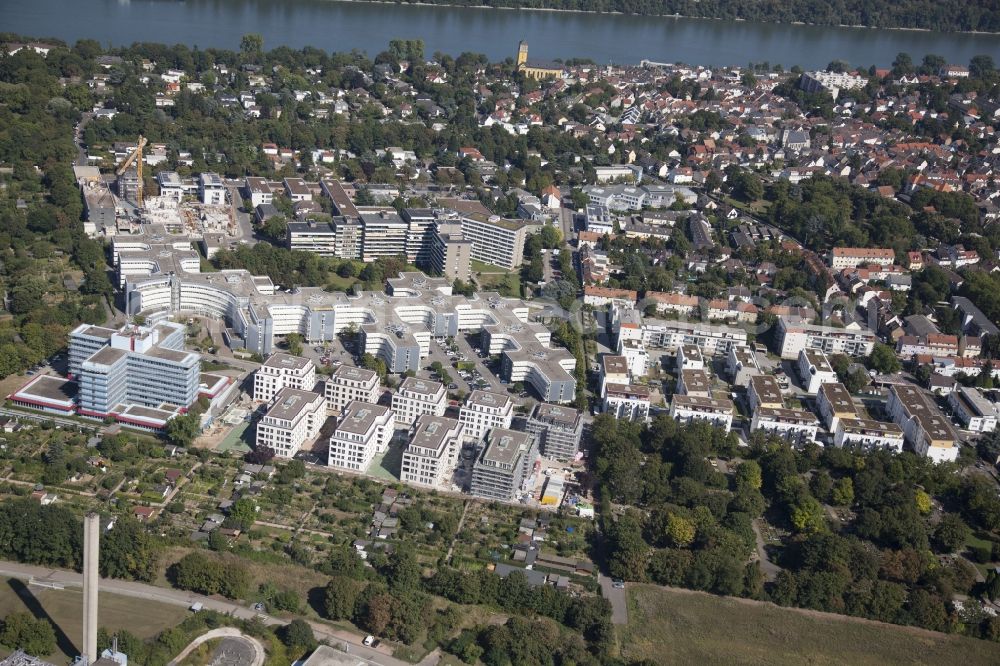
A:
618,599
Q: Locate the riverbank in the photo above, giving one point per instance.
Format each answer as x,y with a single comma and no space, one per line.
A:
675,15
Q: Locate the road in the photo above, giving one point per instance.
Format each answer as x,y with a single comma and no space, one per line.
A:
380,656
81,151
566,224
618,599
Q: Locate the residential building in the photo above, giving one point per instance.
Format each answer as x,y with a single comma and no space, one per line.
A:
363,431
973,411
505,464
834,402
451,254
794,337
814,370
866,434
432,452
383,235
689,408
557,429
312,236
795,425
416,397
831,82
294,418
741,364
636,356
601,296
259,191
694,382
925,427
764,391
598,219
283,371
297,190
852,257
211,189
629,402
614,370
713,340
484,411
689,357
495,240
348,384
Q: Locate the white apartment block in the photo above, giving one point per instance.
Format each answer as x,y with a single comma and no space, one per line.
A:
688,408
349,383
794,337
294,418
636,356
432,452
211,189
364,431
689,358
834,402
484,411
814,370
867,435
614,370
713,340
628,402
794,425
925,427
259,191
495,240
975,412
416,397
741,365
283,371
852,257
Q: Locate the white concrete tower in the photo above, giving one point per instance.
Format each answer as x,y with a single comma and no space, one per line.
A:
91,560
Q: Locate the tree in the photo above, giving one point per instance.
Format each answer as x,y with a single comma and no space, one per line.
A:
22,630
340,596
373,363
981,66
680,531
748,476
843,492
242,514
298,636
251,46
950,534
182,430
923,501
883,359
807,516
128,551
294,341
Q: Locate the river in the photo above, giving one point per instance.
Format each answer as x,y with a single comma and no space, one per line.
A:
342,26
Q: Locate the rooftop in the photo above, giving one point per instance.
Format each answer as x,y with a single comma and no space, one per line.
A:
503,447
433,432
489,399
566,417
290,403
287,362
358,417
839,397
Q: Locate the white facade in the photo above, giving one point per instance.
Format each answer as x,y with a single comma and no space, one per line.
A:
348,383
627,402
432,452
764,391
636,356
484,411
416,397
975,412
795,425
852,257
364,431
687,409
868,435
614,370
834,402
814,370
294,418
689,358
741,364
283,371
793,338
211,189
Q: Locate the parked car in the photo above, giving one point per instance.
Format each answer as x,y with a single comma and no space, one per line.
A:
618,584
369,641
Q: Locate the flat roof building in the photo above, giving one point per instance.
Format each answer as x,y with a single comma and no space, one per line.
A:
294,418
741,364
416,397
764,391
348,383
483,411
794,425
834,402
557,429
629,402
363,431
432,452
283,371
694,382
794,337
814,370
688,408
973,411
507,461
867,434
925,427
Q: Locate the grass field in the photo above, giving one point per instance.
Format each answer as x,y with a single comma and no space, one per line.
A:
63,608
675,627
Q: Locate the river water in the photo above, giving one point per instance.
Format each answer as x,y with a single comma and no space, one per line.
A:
340,26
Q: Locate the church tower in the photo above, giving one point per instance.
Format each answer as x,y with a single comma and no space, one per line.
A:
522,54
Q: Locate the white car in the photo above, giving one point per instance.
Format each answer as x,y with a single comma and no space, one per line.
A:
369,641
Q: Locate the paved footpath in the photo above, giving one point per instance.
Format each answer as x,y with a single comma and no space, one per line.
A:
380,656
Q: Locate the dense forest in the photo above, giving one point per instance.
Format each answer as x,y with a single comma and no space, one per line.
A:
948,15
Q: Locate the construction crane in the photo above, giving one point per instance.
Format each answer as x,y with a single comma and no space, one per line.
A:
136,157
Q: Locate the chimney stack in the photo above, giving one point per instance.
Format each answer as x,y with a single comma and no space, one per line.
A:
91,557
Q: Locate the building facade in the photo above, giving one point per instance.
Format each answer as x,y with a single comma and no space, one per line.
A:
283,371
349,383
506,462
363,431
557,430
294,418
484,411
432,453
416,397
